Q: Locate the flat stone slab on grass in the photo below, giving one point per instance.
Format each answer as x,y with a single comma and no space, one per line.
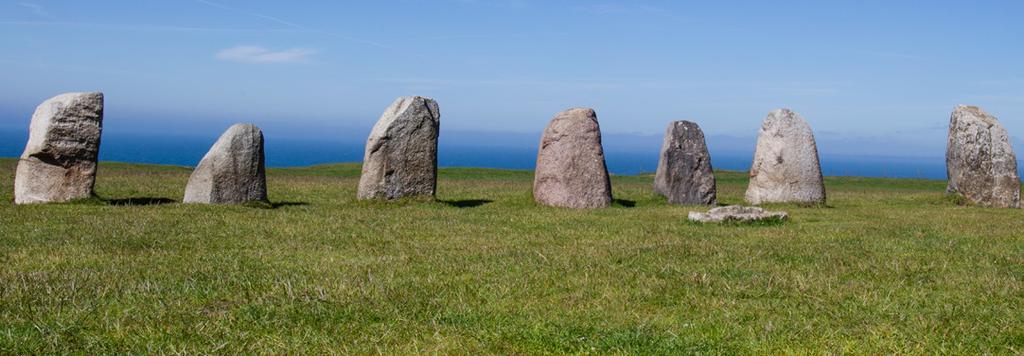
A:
737,213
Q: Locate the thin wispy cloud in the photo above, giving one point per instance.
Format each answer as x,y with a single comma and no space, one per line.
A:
258,15
478,36
619,9
504,4
291,24
895,55
283,22
257,54
56,66
631,83
37,9
1002,96
566,84
135,27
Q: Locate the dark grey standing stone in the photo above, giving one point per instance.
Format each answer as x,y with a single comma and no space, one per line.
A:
786,167
571,171
684,172
980,161
401,152
233,171
59,161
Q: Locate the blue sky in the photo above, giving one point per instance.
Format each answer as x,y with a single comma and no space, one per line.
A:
880,77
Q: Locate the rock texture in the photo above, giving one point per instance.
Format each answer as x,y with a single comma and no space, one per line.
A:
233,171
786,167
401,152
736,213
684,174
571,171
59,162
980,161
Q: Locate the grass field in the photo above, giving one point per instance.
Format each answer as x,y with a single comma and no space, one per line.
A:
888,266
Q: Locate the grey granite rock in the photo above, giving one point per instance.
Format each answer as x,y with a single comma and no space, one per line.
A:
571,171
980,161
59,161
785,167
736,213
684,173
233,171
401,152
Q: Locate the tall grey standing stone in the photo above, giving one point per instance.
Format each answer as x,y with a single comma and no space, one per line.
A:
684,172
786,167
401,152
59,162
233,171
571,171
980,161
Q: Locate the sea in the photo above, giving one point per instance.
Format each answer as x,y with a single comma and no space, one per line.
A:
187,150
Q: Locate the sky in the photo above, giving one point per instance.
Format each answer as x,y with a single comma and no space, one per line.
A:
871,77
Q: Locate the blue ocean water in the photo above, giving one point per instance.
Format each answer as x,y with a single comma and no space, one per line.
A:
291,152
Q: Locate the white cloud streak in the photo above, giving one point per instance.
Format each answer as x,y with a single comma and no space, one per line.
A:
37,9
257,54
134,27
262,16
504,4
620,9
292,25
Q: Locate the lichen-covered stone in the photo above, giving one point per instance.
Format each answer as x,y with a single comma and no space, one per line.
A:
684,173
571,171
401,152
980,161
786,167
59,161
736,213
233,171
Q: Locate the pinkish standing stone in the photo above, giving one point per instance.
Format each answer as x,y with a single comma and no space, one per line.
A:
571,171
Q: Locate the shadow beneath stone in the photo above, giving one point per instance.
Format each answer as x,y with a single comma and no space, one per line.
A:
287,203
139,201
467,203
624,203
272,205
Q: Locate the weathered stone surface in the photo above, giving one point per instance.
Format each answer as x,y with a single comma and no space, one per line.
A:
736,213
571,171
980,161
786,167
59,162
233,171
401,152
684,174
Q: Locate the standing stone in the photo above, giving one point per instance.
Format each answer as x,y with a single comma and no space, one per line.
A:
401,152
980,161
59,162
571,171
684,172
786,167
233,171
